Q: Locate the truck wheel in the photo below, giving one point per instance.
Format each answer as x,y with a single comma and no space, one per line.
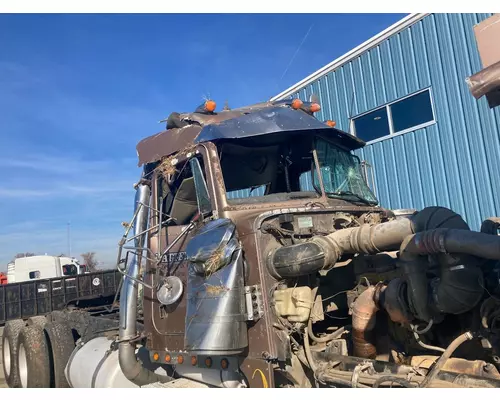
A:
10,341
38,320
61,344
34,360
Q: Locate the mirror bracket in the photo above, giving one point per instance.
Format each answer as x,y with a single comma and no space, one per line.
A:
202,196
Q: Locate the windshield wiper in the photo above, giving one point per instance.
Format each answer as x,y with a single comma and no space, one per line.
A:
349,193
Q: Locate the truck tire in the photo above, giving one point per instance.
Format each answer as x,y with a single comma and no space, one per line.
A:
33,358
38,320
60,344
10,342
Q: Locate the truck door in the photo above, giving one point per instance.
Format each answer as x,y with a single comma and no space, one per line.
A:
174,198
199,302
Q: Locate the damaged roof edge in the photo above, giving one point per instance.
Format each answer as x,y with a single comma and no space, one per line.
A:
258,120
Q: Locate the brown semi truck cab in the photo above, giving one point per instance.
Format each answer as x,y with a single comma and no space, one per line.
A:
227,188
261,258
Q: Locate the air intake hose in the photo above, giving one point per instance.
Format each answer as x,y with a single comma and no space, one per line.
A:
460,285
324,251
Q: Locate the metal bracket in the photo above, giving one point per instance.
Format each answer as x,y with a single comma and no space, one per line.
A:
255,306
366,365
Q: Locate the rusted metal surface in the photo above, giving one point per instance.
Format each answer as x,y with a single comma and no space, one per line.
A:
363,323
258,372
485,81
259,332
459,366
345,366
167,322
153,148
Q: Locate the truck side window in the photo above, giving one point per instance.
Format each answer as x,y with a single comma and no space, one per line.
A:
34,275
179,196
69,269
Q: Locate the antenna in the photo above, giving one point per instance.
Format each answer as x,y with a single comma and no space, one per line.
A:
313,98
295,54
352,103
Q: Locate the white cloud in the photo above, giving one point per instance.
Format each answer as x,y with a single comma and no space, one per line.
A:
82,171
23,193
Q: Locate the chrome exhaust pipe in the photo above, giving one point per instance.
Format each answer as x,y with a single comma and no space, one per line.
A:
129,364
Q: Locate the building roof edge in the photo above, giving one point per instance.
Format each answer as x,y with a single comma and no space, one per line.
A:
357,51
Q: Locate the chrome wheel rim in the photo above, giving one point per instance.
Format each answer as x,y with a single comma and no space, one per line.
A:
6,356
23,366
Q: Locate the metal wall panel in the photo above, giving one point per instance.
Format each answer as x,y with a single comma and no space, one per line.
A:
453,163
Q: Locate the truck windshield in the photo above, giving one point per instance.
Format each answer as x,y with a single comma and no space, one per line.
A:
341,173
274,168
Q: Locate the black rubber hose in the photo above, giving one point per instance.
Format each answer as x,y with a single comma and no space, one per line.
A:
296,260
414,269
461,283
454,241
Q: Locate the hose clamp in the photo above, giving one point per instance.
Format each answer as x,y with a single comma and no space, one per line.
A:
441,242
367,365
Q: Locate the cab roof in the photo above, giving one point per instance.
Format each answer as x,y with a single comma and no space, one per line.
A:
188,129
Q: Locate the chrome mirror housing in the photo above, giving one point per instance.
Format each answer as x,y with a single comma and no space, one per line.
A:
213,246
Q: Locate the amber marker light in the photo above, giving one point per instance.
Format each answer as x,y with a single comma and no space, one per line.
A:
180,359
224,363
315,107
156,356
331,124
194,360
168,358
296,104
208,362
210,105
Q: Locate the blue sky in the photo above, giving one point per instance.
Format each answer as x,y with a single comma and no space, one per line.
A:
77,92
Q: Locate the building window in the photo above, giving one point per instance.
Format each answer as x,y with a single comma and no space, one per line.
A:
410,113
373,125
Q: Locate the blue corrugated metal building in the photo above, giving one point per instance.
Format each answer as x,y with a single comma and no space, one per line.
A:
429,141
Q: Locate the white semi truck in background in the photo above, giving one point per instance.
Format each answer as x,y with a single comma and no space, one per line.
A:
42,267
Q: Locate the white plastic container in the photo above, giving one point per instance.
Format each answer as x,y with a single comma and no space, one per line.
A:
294,303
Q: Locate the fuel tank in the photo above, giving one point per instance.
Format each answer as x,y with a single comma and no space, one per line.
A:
95,365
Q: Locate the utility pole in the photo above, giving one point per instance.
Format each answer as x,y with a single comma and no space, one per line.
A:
69,239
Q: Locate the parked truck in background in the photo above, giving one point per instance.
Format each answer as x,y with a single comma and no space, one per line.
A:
258,256
51,303
41,267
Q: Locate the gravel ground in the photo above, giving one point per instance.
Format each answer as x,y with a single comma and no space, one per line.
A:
2,379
